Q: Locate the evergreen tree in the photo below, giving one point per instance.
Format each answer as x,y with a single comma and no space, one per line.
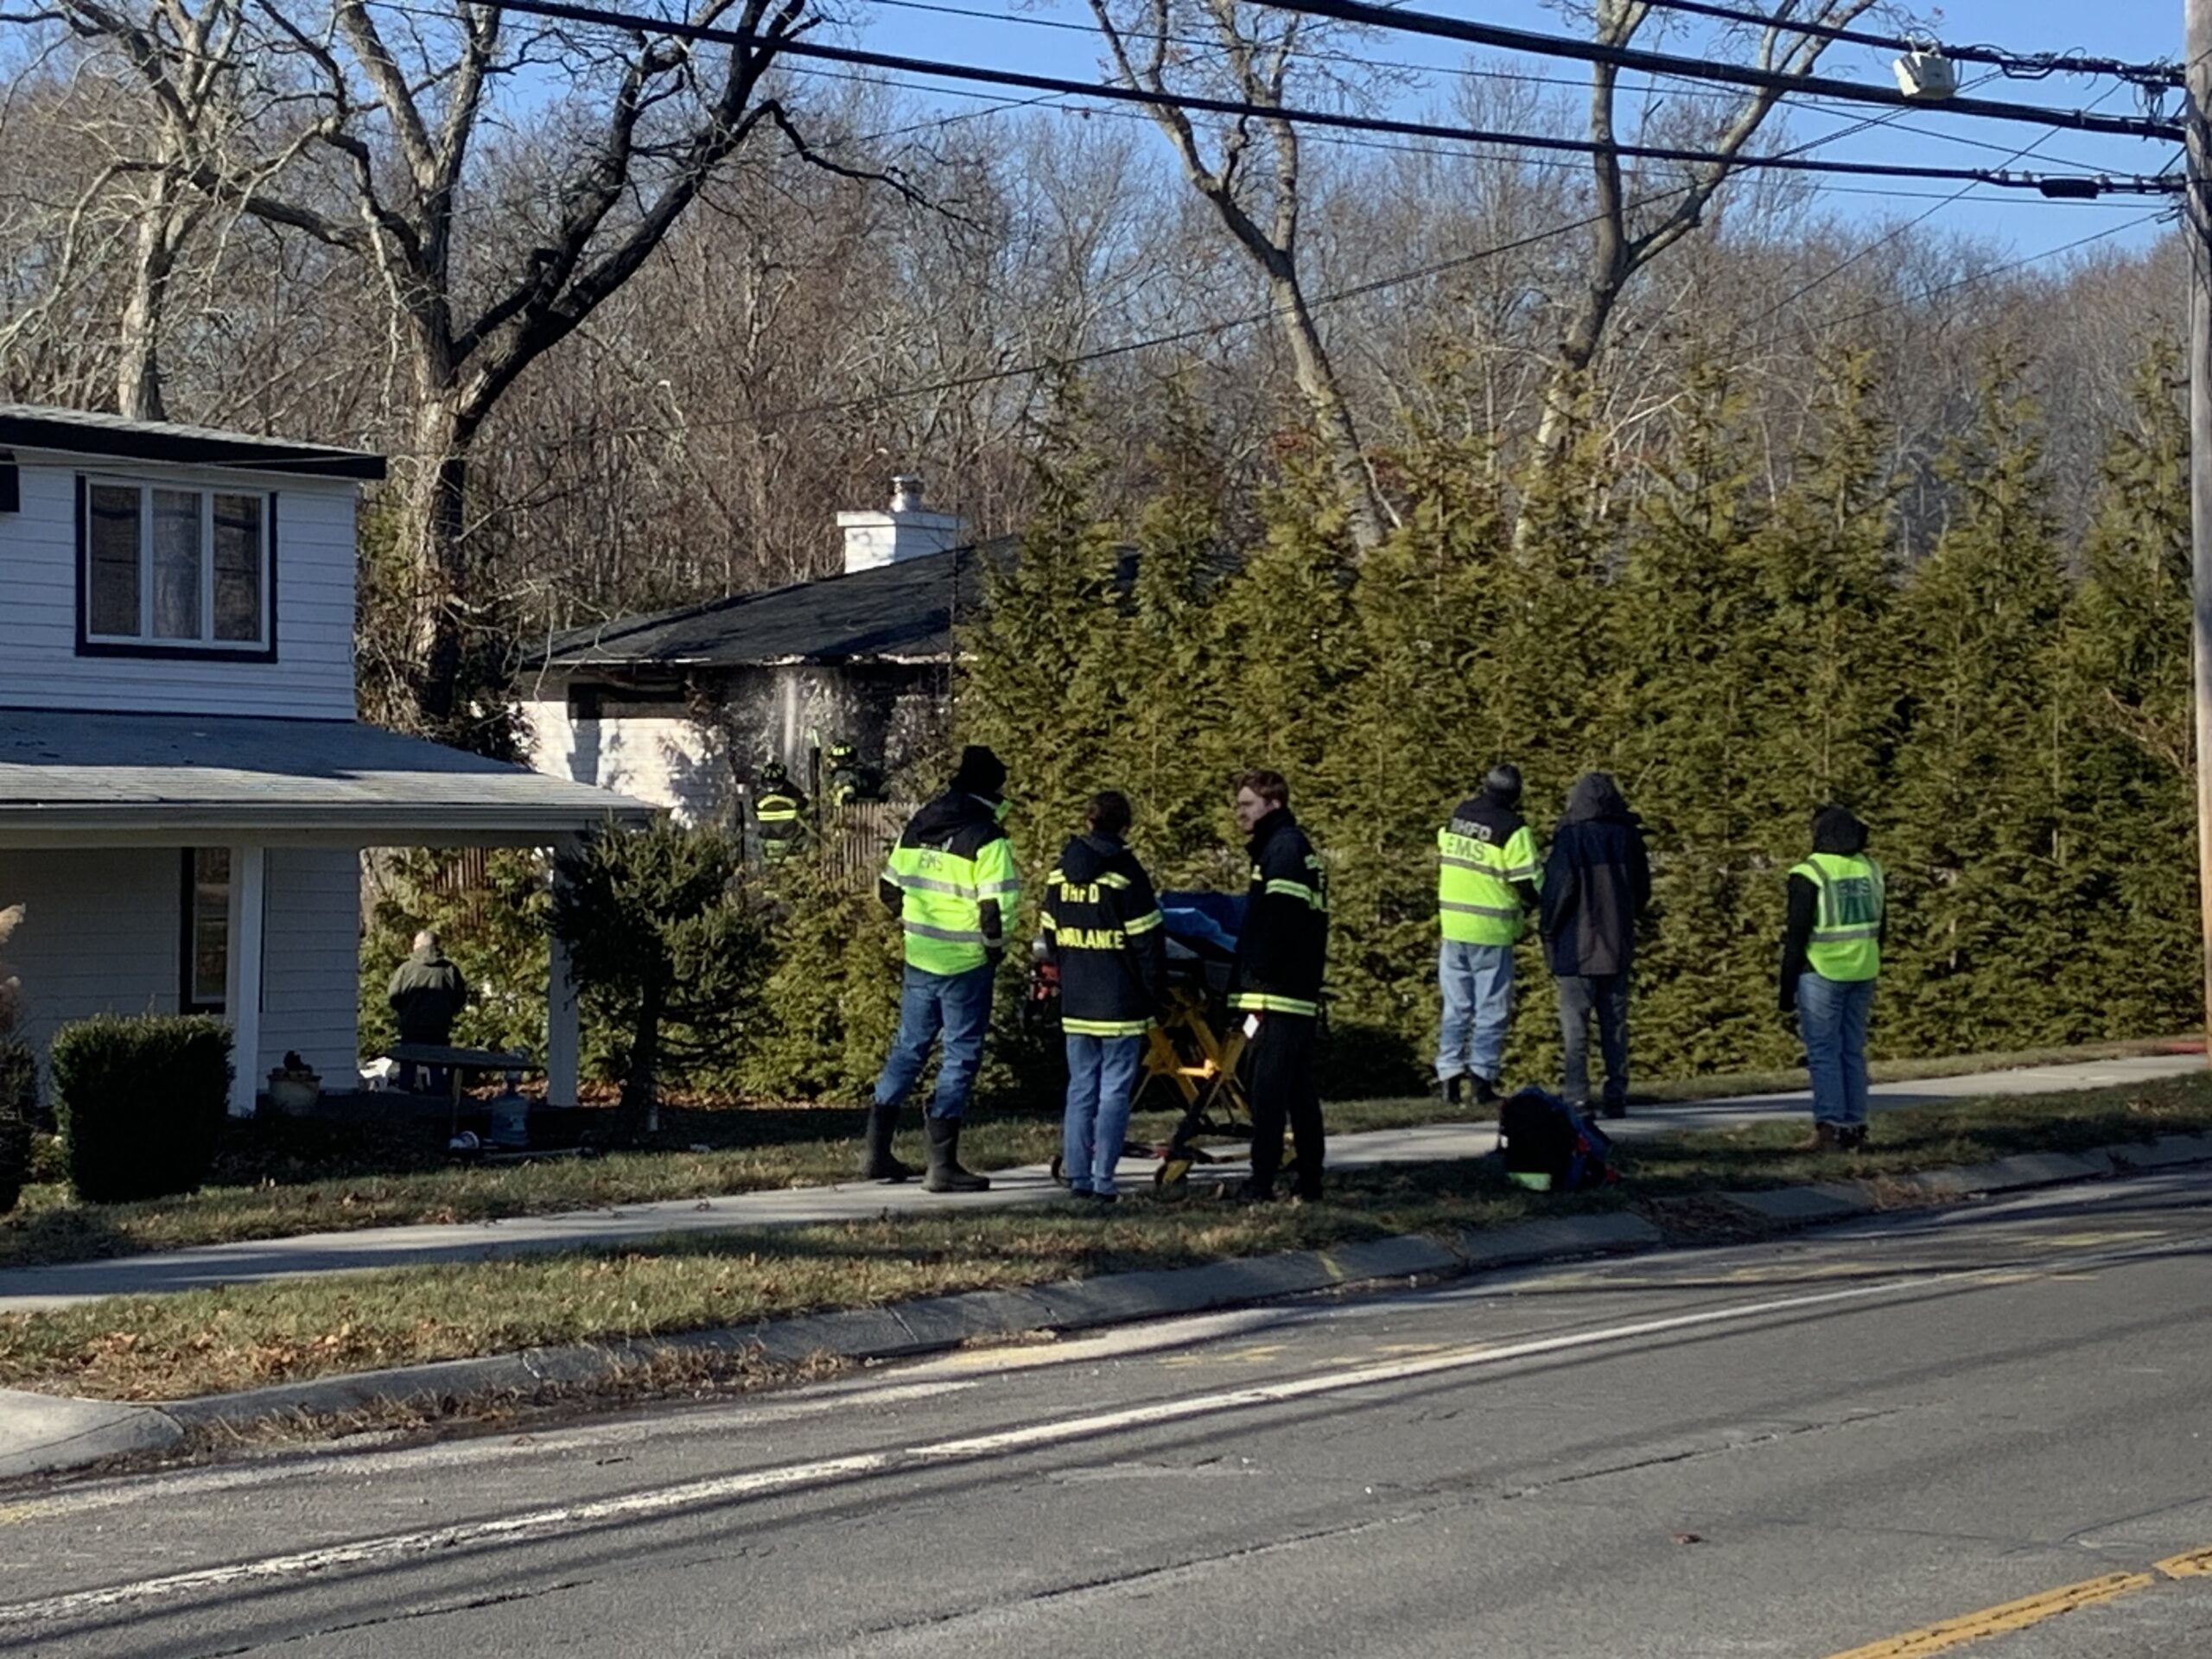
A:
1981,943
2129,811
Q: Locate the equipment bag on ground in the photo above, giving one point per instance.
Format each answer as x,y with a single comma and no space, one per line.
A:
1550,1147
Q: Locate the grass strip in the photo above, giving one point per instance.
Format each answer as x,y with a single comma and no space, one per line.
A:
202,1342
282,1190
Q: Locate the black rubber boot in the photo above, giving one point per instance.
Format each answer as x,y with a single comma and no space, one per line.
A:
876,1163
945,1175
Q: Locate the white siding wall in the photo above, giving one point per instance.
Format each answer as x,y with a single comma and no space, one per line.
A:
311,962
312,674
665,761
104,934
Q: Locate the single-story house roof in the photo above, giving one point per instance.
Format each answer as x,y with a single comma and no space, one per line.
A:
902,613
69,778
80,432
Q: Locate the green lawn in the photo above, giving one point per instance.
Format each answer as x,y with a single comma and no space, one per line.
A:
209,1341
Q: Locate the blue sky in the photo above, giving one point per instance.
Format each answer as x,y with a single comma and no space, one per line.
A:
1011,36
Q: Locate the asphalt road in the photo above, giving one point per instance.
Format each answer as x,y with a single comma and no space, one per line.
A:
1803,1449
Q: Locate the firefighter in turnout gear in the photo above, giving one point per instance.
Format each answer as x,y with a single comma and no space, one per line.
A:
1831,957
1104,932
1276,984
1486,883
779,814
846,779
952,879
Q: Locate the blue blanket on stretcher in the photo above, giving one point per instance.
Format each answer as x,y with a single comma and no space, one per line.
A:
1206,923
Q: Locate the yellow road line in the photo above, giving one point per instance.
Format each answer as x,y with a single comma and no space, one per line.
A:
2195,1565
1995,1621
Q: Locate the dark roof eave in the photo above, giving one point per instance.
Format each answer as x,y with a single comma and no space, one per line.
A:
184,447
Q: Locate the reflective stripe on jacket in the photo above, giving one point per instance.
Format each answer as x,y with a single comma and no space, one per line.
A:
1846,940
1103,930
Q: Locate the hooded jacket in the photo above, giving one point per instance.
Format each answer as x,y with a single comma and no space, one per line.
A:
952,880
1834,831
1102,930
1285,940
1597,883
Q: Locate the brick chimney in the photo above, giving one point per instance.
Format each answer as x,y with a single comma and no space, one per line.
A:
908,531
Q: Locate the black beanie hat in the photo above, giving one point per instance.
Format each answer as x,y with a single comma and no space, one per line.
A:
981,771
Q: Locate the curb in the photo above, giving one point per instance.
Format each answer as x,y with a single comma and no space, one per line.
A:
55,1434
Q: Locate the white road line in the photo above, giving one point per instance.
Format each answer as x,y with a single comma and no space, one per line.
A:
757,1484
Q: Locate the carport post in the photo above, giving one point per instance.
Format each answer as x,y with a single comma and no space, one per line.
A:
242,975
562,1041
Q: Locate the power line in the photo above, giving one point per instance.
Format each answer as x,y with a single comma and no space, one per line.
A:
2069,186
1367,16
1485,70
2019,64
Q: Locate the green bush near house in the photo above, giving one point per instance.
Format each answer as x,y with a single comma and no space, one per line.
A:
142,1101
18,1100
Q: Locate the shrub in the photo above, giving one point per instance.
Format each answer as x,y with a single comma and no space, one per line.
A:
18,1079
142,1101
18,1100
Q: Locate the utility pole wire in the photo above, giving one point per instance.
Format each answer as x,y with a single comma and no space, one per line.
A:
2031,65
1367,16
2068,184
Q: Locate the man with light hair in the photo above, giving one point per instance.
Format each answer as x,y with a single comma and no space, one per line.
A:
428,994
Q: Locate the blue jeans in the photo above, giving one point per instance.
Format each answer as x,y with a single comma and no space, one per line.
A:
1102,1084
1477,980
959,1006
1832,1018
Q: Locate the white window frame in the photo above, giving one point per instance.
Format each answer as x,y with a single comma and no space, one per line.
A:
145,640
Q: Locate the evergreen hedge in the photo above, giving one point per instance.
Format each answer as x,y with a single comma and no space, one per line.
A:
1757,635
142,1101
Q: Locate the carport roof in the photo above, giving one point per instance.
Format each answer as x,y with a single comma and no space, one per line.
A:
70,779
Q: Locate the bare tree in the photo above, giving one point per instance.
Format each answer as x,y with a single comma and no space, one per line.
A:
1639,217
396,102
1252,178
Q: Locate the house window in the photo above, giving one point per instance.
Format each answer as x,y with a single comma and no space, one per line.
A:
176,571
206,930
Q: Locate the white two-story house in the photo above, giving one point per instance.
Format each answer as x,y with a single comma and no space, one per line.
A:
185,792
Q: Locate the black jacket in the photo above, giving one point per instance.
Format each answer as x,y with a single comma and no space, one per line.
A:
1834,831
1102,930
1285,940
1597,883
962,824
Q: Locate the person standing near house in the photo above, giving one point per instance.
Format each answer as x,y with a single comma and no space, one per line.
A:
1831,957
427,993
1276,984
779,814
1104,932
1486,879
846,778
952,879
1596,886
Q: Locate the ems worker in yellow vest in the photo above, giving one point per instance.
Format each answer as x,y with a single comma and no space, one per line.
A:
1486,883
953,881
1831,956
1102,930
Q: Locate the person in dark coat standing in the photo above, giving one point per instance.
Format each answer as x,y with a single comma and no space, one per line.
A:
1276,985
427,994
1104,932
1597,887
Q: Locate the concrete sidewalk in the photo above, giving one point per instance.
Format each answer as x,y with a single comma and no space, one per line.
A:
27,1290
